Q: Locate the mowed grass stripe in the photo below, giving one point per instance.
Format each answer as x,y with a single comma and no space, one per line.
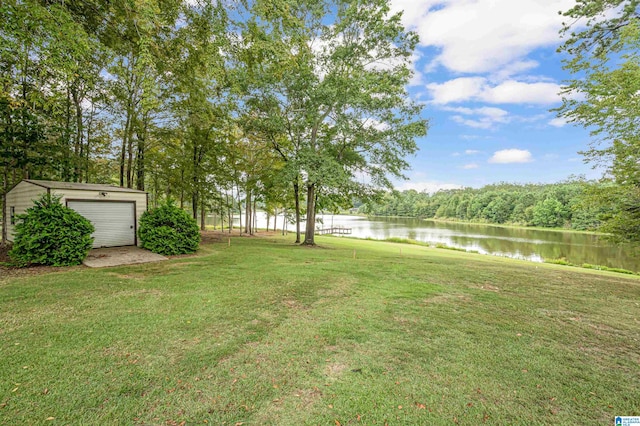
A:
266,332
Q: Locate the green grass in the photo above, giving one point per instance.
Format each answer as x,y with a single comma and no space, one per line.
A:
352,332
563,261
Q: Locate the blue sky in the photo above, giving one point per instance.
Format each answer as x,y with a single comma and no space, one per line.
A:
488,73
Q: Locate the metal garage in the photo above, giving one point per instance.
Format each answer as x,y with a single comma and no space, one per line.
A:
115,222
114,211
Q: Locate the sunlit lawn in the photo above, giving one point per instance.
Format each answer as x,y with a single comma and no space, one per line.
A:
352,332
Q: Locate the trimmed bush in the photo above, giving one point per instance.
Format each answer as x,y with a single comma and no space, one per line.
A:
168,230
51,234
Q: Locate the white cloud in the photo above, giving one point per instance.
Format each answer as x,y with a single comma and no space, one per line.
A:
417,79
508,156
456,90
496,113
472,152
483,118
480,89
427,186
477,36
558,122
476,124
515,68
518,92
531,118
472,137
470,166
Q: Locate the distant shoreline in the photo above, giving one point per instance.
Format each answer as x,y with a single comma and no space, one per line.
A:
497,225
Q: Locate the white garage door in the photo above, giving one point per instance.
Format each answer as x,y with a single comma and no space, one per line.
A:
114,221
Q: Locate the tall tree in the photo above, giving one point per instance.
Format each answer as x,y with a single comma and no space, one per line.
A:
604,55
343,67
200,100
41,135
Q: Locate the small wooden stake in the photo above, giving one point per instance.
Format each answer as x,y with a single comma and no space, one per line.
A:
354,254
400,251
229,241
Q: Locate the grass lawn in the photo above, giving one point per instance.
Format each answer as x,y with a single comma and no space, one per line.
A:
266,332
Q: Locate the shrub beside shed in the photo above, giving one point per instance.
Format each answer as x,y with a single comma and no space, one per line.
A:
114,211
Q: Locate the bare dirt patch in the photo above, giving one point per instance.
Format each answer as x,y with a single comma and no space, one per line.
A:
294,304
209,237
12,271
4,253
490,287
125,276
335,369
116,256
308,397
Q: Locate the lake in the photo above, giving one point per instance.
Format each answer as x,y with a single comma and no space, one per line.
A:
520,243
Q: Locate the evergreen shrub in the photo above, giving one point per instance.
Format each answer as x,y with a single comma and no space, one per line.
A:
51,234
168,230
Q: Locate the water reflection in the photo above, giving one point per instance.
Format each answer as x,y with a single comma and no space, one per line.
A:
520,243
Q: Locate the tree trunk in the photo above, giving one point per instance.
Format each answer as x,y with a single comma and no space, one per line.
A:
142,140
182,188
309,234
296,193
130,159
254,223
66,166
194,179
202,216
125,137
123,149
221,212
5,189
87,151
284,221
247,213
275,219
79,145
194,204
156,187
239,209
230,213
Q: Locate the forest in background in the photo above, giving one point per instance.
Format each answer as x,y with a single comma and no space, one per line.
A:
561,205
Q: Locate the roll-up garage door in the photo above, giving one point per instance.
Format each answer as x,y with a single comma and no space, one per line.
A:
114,221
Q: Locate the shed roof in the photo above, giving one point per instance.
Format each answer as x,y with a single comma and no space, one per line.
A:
51,184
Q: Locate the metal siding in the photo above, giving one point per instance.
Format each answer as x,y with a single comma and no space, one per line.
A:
114,221
21,197
74,195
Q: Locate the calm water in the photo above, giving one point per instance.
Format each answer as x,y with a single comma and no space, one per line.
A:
527,244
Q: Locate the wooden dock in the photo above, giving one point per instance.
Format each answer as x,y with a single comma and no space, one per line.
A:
339,230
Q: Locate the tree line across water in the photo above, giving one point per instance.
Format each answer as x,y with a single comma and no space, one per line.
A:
561,205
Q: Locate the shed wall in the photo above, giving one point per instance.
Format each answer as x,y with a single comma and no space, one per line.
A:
21,197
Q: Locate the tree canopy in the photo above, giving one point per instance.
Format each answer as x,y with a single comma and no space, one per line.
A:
342,110
603,53
218,105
